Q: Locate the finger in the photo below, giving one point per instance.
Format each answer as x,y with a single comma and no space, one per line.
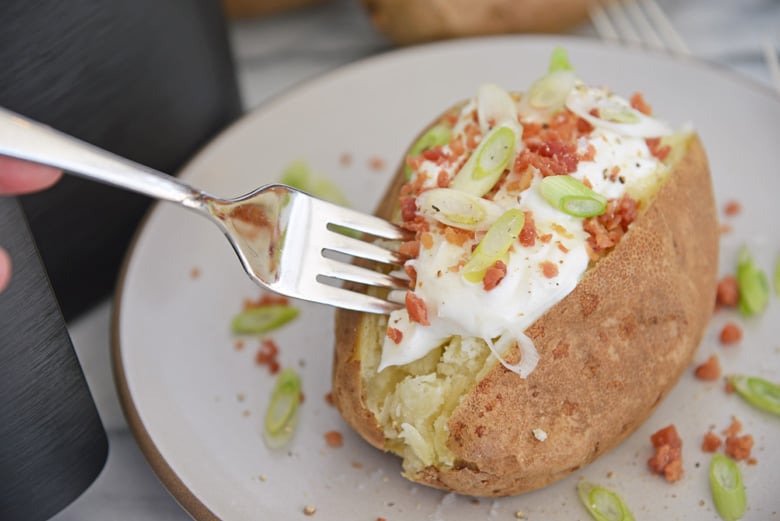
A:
5,269
21,177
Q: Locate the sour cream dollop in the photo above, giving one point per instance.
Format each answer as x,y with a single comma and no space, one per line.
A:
537,276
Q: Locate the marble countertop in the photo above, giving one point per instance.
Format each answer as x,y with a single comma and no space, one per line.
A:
276,53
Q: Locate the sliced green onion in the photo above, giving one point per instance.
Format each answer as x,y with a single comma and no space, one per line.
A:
777,277
728,492
753,285
559,60
299,175
494,106
486,164
619,114
572,197
758,392
550,91
435,136
259,320
458,209
602,503
282,413
494,245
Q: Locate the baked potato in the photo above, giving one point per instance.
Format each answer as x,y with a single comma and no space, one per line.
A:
507,373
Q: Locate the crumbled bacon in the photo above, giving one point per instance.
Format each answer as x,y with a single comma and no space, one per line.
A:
266,299
667,459
549,269
396,335
410,249
412,273
607,229
267,355
730,334
494,275
443,179
732,208
426,239
739,447
734,428
638,102
527,235
709,370
711,442
660,152
334,439
728,292
416,308
456,236
408,208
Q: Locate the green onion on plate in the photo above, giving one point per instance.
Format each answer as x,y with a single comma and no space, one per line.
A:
602,503
728,491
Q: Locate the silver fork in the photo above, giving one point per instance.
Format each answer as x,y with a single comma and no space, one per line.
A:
287,241
636,21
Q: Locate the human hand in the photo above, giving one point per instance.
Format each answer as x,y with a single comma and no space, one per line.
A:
21,177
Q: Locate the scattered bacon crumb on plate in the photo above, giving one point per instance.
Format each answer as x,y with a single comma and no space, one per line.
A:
730,334
732,208
334,439
709,370
667,460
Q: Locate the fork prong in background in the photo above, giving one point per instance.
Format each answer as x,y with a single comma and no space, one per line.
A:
623,24
640,20
342,244
602,23
665,28
772,63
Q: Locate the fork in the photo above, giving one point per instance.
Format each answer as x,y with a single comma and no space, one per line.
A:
287,241
636,21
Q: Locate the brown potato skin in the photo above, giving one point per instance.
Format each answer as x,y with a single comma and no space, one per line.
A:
610,351
415,21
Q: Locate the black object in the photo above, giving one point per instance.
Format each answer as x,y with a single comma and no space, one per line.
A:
150,80
52,443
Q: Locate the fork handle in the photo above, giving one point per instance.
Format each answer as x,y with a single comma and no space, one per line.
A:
25,139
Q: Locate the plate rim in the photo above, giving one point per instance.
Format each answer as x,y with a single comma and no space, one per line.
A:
165,474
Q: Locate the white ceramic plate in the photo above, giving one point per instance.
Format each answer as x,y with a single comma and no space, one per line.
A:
182,380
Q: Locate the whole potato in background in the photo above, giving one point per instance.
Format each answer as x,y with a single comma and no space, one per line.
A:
414,21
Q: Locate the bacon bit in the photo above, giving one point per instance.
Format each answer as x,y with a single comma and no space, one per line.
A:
301,397
563,248
614,173
732,208
587,182
739,447
473,136
410,249
416,308
266,299
195,273
457,148
527,235
345,159
752,461
638,102
654,144
396,335
725,228
550,157
711,442
728,387
329,399
547,237
412,273
456,267
455,236
667,459
334,439
520,182
494,275
728,292
376,163
239,345
414,164
730,334
588,155
562,231
357,465
426,239
267,355
408,208
607,229
443,179
733,429
709,370
549,269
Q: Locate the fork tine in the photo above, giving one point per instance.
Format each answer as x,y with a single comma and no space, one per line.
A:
640,20
625,27
343,244
350,272
348,218
602,23
347,299
665,28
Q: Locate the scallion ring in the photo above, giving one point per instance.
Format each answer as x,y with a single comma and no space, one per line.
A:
437,135
602,503
262,319
572,197
758,392
484,167
728,491
281,416
753,285
494,245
